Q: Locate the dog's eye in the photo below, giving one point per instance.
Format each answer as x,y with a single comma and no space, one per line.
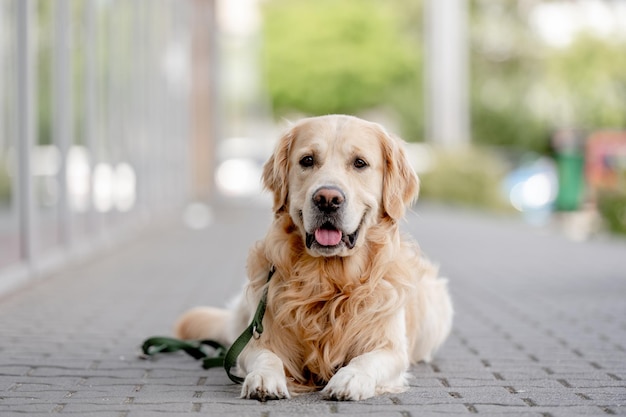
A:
307,161
360,163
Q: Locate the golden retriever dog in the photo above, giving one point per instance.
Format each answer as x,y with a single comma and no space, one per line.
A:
352,303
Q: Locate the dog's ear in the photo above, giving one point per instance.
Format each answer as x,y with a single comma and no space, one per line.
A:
400,183
275,171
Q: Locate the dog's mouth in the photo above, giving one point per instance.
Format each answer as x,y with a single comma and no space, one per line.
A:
328,236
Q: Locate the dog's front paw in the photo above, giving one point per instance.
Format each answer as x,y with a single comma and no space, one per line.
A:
350,385
264,386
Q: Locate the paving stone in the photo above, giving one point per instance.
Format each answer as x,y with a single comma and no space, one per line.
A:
540,326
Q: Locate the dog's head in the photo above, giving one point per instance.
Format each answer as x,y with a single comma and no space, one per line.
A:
336,176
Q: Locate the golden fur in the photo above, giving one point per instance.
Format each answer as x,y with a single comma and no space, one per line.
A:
349,317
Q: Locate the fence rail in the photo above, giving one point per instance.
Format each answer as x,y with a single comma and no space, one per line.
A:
94,124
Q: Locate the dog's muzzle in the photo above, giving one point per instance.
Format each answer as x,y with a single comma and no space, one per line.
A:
329,202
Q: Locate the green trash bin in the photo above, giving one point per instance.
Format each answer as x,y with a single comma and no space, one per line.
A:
568,146
570,167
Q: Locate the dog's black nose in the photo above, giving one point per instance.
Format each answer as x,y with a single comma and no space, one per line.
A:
328,199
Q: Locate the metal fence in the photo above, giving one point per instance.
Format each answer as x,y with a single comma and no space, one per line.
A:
94,124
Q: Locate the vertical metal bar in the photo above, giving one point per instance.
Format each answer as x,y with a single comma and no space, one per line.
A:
446,82
62,111
100,110
111,138
7,74
170,103
181,103
25,100
135,73
217,111
156,122
152,122
138,109
203,98
107,139
98,14
89,50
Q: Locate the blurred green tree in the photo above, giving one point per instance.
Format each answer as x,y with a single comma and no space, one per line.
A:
350,56
587,83
343,57
523,89
506,61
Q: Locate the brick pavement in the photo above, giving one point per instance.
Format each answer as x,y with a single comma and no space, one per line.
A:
540,326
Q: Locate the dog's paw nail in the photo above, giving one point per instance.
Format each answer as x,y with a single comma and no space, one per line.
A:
266,387
348,385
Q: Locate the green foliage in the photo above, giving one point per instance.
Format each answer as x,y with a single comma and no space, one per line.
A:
349,56
505,64
502,127
612,207
340,57
588,83
470,177
522,89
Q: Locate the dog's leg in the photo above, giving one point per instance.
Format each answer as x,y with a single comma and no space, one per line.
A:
367,375
436,319
265,379
375,372
205,323
223,325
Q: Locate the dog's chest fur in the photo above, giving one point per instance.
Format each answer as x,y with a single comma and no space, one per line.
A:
324,320
323,312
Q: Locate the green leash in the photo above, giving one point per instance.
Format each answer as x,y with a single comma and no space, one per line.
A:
221,356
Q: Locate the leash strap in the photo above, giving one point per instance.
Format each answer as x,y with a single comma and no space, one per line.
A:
195,349
255,329
222,356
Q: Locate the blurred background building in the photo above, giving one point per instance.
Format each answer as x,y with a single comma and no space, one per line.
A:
115,114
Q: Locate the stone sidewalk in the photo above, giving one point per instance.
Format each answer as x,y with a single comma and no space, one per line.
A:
540,326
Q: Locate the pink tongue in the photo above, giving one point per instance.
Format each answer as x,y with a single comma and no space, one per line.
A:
327,237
